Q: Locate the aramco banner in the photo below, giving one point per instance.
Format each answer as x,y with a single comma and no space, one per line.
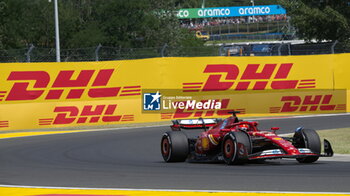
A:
214,12
47,95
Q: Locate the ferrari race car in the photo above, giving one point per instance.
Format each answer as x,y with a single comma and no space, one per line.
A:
236,142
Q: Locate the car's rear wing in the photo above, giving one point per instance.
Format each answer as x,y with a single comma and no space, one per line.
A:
194,123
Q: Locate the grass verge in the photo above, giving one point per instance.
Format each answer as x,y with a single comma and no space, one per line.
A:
339,139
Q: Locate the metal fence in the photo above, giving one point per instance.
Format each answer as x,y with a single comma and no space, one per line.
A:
283,49
104,53
251,31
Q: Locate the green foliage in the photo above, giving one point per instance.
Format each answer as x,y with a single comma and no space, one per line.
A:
140,23
320,20
2,17
87,36
87,23
188,4
25,22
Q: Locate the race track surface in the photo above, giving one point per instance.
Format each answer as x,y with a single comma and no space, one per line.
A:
130,158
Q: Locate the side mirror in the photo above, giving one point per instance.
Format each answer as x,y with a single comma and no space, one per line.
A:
275,128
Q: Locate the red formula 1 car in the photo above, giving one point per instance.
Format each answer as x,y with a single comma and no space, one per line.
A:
237,142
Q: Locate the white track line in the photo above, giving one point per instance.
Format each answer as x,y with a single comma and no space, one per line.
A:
299,116
175,190
168,190
151,126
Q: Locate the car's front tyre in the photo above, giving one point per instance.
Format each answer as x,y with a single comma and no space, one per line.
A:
307,138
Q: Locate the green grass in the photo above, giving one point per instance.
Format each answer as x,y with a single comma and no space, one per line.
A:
339,139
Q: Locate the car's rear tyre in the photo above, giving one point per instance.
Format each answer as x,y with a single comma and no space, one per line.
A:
236,147
307,138
174,146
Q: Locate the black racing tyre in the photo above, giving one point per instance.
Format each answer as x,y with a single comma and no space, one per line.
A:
307,138
174,146
236,146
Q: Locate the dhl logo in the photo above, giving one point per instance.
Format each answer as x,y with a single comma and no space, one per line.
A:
92,82
88,114
227,76
75,195
4,124
307,103
195,113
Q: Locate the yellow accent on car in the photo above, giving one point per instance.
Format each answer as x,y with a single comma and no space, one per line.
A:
212,139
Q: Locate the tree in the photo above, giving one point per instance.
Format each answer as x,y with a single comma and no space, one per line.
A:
320,20
2,17
25,22
86,23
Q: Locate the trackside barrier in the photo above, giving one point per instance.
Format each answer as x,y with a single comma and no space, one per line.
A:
47,95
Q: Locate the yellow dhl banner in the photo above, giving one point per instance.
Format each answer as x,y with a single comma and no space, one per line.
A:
45,95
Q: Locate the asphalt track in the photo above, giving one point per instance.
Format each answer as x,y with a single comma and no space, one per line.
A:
130,158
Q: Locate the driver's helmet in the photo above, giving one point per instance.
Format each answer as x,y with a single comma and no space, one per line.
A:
243,127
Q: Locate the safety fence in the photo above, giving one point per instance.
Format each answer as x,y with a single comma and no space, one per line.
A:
105,53
282,49
68,94
251,31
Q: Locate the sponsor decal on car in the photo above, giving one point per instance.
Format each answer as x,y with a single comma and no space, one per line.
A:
304,150
271,152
